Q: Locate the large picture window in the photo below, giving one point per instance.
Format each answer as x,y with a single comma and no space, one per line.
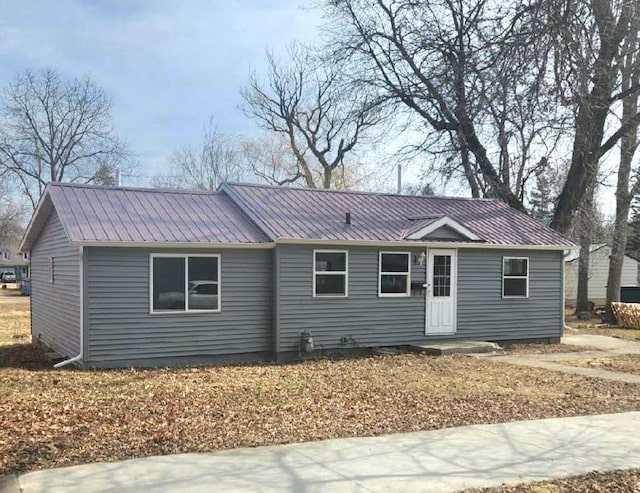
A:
515,277
330,273
185,283
394,277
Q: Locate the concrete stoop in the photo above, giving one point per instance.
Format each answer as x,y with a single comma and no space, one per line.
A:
457,347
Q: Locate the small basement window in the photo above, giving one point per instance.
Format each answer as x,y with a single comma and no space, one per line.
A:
185,283
330,273
515,277
394,276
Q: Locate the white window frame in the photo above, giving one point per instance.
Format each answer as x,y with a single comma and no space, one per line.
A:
25,256
184,256
344,273
381,273
51,267
515,277
5,255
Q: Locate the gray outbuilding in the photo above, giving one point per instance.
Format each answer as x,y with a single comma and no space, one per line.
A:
147,277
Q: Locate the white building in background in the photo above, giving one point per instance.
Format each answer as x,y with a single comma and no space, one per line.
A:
598,273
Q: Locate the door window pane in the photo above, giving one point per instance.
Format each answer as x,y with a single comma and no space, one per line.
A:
168,283
441,275
203,283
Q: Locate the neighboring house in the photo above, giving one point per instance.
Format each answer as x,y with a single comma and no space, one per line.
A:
12,260
143,277
598,274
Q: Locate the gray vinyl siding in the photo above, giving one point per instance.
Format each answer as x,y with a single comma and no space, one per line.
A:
363,317
122,329
55,307
484,314
366,319
445,233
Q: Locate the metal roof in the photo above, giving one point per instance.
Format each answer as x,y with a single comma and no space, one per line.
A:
91,213
259,214
313,214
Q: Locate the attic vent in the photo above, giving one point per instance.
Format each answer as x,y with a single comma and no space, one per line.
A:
347,218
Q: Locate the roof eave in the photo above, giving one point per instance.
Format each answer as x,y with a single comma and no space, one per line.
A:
421,243
173,244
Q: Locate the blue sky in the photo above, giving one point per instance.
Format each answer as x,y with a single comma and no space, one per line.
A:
168,64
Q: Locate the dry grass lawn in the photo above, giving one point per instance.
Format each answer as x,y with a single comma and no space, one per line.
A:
621,481
604,330
629,363
14,317
51,418
544,348
595,326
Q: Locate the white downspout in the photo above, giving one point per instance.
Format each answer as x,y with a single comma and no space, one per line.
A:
81,275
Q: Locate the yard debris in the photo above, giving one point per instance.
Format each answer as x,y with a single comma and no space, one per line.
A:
627,314
619,481
545,348
628,363
53,418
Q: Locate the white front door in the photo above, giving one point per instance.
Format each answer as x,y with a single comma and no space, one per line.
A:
441,292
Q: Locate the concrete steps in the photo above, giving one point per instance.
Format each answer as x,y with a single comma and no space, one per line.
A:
442,348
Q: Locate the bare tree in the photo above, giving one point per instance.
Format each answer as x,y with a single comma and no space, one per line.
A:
457,66
588,41
53,129
216,160
497,84
11,216
627,188
307,103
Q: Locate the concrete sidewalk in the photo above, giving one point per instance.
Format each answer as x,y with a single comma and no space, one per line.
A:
430,461
602,347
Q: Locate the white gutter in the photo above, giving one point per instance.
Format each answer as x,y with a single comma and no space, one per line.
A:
81,275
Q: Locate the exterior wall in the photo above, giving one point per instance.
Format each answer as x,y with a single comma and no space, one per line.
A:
365,319
484,314
598,276
55,307
122,332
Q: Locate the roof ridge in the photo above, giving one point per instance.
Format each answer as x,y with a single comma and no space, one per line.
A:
359,192
134,189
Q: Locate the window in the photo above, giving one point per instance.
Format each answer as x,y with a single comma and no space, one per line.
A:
442,276
185,283
515,277
25,256
394,274
50,269
5,255
330,276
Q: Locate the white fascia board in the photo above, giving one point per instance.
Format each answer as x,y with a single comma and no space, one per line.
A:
443,221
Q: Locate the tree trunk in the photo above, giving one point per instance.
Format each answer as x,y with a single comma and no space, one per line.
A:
586,237
582,300
628,146
591,117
